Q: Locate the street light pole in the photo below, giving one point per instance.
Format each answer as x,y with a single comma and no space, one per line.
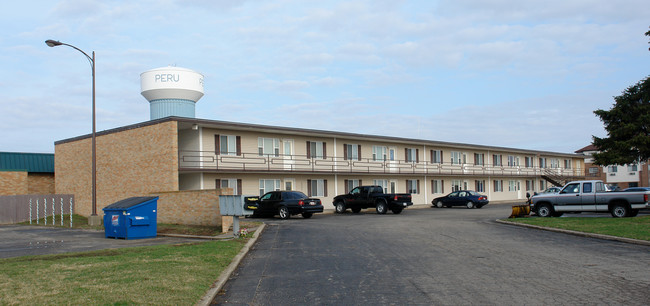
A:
94,219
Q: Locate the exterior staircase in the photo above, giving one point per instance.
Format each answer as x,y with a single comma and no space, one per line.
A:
554,177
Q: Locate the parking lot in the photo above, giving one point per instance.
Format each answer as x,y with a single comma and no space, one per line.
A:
434,256
20,240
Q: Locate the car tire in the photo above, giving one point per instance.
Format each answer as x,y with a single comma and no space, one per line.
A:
439,204
619,211
283,211
397,210
307,215
381,207
469,204
340,207
544,210
356,210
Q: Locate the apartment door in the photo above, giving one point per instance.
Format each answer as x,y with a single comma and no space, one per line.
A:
392,163
288,154
393,186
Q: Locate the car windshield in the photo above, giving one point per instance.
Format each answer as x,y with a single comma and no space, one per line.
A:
474,193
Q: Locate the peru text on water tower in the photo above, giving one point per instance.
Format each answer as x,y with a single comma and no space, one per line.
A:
171,91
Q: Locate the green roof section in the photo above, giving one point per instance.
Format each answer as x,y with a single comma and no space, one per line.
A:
30,162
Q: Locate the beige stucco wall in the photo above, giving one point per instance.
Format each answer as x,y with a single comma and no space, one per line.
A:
131,162
13,183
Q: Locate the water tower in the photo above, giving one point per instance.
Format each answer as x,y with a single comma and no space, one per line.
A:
171,91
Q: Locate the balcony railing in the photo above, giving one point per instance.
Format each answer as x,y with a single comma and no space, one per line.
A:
253,162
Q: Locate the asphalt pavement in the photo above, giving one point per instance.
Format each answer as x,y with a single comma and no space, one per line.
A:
430,256
26,240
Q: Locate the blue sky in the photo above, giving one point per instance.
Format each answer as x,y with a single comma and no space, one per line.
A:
520,74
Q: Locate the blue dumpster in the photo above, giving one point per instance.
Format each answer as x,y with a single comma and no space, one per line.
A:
131,218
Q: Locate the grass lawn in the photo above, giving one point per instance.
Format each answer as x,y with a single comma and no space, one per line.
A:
161,275
635,228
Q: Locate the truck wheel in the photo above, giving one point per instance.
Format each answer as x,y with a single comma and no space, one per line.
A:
439,204
382,207
307,215
283,211
619,211
356,210
397,210
544,210
470,204
340,207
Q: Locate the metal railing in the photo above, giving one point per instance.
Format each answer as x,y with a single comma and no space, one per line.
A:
254,162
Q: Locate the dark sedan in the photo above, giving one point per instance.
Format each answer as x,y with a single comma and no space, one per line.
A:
285,204
467,198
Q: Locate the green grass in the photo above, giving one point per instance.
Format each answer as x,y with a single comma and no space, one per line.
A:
635,228
161,275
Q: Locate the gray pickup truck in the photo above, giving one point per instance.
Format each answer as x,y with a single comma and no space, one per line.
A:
590,196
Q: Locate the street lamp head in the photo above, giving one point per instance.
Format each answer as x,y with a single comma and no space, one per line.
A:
53,43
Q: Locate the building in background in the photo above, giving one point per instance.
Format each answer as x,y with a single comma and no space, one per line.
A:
175,152
26,173
621,176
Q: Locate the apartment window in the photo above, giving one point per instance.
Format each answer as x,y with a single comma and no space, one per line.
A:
513,161
478,159
479,185
530,185
555,163
382,183
593,170
227,145
316,149
542,162
350,184
352,151
612,169
268,146
567,164
437,186
411,155
436,156
413,186
632,168
496,160
269,185
235,184
317,188
456,185
512,186
529,162
498,186
542,185
379,153
456,158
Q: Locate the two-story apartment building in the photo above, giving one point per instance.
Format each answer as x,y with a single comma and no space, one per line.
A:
176,153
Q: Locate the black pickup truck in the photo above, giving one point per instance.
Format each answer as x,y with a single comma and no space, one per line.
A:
372,196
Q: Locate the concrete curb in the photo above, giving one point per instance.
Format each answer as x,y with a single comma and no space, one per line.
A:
225,275
576,233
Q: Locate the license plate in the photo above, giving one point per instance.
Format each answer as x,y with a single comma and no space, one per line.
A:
312,203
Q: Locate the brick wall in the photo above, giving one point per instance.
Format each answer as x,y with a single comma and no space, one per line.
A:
195,207
40,183
13,182
131,162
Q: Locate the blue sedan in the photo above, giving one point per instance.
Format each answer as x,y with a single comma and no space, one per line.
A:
467,198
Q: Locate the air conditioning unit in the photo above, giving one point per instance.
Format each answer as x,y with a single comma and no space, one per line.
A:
612,174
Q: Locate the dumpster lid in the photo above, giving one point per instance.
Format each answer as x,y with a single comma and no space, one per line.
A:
130,202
